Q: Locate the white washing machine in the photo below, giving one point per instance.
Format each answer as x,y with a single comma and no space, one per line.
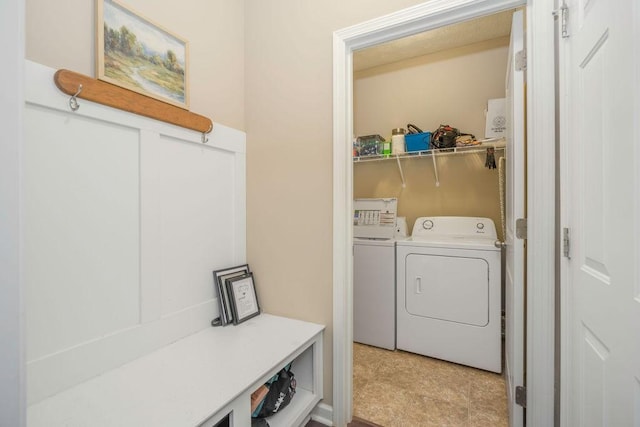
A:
374,272
448,291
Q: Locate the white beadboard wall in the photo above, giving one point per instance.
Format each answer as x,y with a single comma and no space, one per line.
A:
125,218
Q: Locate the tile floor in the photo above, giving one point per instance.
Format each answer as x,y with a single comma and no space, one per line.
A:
396,388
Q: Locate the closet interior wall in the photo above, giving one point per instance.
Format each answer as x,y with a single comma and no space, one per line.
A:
449,87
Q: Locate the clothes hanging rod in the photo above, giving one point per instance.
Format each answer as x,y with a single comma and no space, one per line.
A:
80,86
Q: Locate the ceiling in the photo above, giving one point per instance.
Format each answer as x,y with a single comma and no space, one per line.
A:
444,38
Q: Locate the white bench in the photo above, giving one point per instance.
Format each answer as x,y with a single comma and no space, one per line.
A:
198,380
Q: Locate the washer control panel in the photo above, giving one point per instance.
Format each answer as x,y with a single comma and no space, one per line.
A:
453,226
374,218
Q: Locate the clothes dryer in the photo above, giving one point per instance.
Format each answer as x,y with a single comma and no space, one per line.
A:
449,292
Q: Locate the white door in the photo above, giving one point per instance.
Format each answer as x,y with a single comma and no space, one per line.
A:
515,196
601,304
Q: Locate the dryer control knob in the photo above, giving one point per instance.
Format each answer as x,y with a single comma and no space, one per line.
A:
480,226
427,225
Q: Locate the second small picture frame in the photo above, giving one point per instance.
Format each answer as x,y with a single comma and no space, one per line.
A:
241,291
220,281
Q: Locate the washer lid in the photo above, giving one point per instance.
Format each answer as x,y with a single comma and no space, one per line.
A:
363,241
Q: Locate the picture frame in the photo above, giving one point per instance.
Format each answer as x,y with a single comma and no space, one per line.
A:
137,54
220,277
243,297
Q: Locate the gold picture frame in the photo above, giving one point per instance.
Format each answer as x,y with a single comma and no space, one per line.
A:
140,55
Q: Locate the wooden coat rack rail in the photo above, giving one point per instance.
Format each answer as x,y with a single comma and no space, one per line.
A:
81,86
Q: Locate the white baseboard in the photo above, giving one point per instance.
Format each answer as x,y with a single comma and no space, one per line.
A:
323,414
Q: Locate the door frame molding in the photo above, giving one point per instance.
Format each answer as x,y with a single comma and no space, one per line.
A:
12,356
540,198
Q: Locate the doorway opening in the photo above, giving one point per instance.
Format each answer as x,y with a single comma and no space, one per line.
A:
448,75
411,21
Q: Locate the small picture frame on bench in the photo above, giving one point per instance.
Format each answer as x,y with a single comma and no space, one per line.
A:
243,297
220,277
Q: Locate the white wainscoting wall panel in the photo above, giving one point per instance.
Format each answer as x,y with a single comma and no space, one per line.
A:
195,214
81,211
125,220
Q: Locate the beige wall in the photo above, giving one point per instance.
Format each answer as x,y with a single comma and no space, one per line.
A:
61,34
466,188
450,87
289,60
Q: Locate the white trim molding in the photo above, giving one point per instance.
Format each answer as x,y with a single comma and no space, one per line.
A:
423,17
323,414
342,234
541,208
12,355
566,320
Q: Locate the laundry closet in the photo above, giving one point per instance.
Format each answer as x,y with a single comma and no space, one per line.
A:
446,86
446,76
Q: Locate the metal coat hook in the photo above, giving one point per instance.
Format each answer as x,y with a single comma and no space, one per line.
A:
73,101
204,134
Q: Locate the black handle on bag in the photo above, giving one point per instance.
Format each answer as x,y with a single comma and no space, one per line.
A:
413,129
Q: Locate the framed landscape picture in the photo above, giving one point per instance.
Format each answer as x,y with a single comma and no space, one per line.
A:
137,54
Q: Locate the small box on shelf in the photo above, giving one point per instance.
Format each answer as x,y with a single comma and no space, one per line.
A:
368,145
417,141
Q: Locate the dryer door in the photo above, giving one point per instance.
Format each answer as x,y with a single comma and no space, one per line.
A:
448,288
